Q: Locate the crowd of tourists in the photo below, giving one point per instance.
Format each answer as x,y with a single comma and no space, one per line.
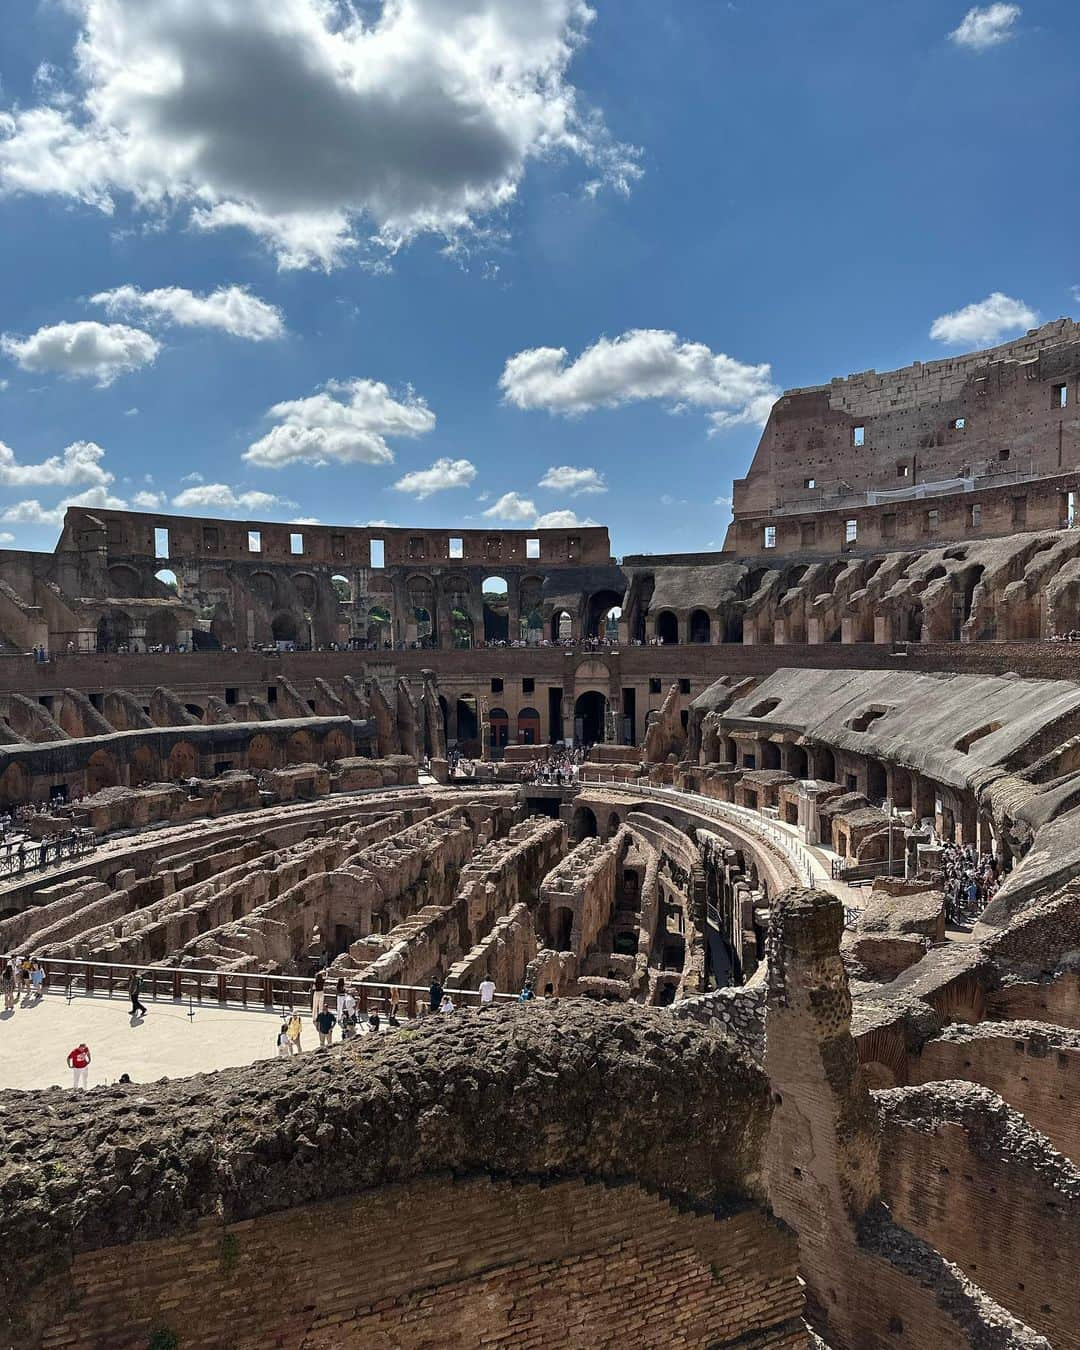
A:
560,768
970,881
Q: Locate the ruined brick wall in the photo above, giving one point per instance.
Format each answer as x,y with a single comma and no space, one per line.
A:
449,1263
1034,1067
969,1175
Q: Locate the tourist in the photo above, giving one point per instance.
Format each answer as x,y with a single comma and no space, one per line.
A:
318,994
284,1043
24,978
447,1004
348,1025
37,980
340,991
7,985
373,1024
295,1028
324,1025
350,1006
435,994
79,1064
134,992
487,992
392,1012
526,993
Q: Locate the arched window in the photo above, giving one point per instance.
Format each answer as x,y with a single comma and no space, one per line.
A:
667,627
496,609
700,626
342,589
378,626
168,579
500,728
562,626
528,727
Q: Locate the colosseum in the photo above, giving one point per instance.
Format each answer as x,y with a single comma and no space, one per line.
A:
692,941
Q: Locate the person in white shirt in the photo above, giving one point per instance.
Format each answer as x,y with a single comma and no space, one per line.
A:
487,992
447,1004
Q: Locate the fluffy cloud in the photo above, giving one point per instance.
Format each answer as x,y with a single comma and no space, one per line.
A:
306,125
31,511
443,474
574,482
230,309
560,520
644,363
221,497
986,26
512,506
984,322
518,510
79,463
92,350
148,501
345,421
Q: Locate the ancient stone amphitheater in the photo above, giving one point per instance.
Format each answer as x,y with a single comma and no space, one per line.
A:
784,1081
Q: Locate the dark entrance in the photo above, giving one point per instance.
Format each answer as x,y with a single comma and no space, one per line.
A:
589,717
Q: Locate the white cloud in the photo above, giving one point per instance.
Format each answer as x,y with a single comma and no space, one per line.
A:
194,477
231,309
306,520
984,322
560,520
347,421
94,350
724,501
308,126
644,363
221,497
31,511
79,463
443,474
574,482
131,412
512,506
986,26
148,501
377,524
6,537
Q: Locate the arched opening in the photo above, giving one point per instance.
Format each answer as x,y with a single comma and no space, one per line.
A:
914,624
161,629
143,766
496,609
125,582
421,611
667,627
262,584
733,628
598,615
562,928
13,785
562,626
770,755
877,783
826,764
114,631
284,631
101,772
499,723
468,726
260,752
183,761
589,712
583,823
342,588
700,626
460,628
799,763
169,580
612,825
377,633
299,749
424,627
528,727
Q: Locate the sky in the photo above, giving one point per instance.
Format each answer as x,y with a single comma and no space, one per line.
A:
470,263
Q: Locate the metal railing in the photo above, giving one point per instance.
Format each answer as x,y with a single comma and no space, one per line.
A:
854,873
233,988
35,856
728,813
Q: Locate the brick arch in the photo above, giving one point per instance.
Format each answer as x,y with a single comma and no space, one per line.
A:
183,760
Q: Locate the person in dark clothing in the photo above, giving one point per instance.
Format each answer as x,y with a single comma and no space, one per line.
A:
134,992
436,993
324,1025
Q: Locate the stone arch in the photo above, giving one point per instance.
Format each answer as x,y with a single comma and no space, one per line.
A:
284,628
667,627
264,587
102,771
499,724
13,785
168,579
700,626
495,594
125,582
600,606
343,588
183,761
336,745
528,727
562,625
420,590
261,752
299,749
590,712
307,590
583,823
114,631
378,625
144,765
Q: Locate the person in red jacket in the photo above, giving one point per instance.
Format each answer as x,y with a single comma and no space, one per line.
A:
79,1064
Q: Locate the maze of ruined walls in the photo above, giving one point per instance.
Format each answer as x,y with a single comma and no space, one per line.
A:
504,872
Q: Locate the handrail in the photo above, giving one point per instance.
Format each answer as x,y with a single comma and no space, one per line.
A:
728,813
223,987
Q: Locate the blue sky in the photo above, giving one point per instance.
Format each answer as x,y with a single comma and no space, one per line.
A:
419,205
